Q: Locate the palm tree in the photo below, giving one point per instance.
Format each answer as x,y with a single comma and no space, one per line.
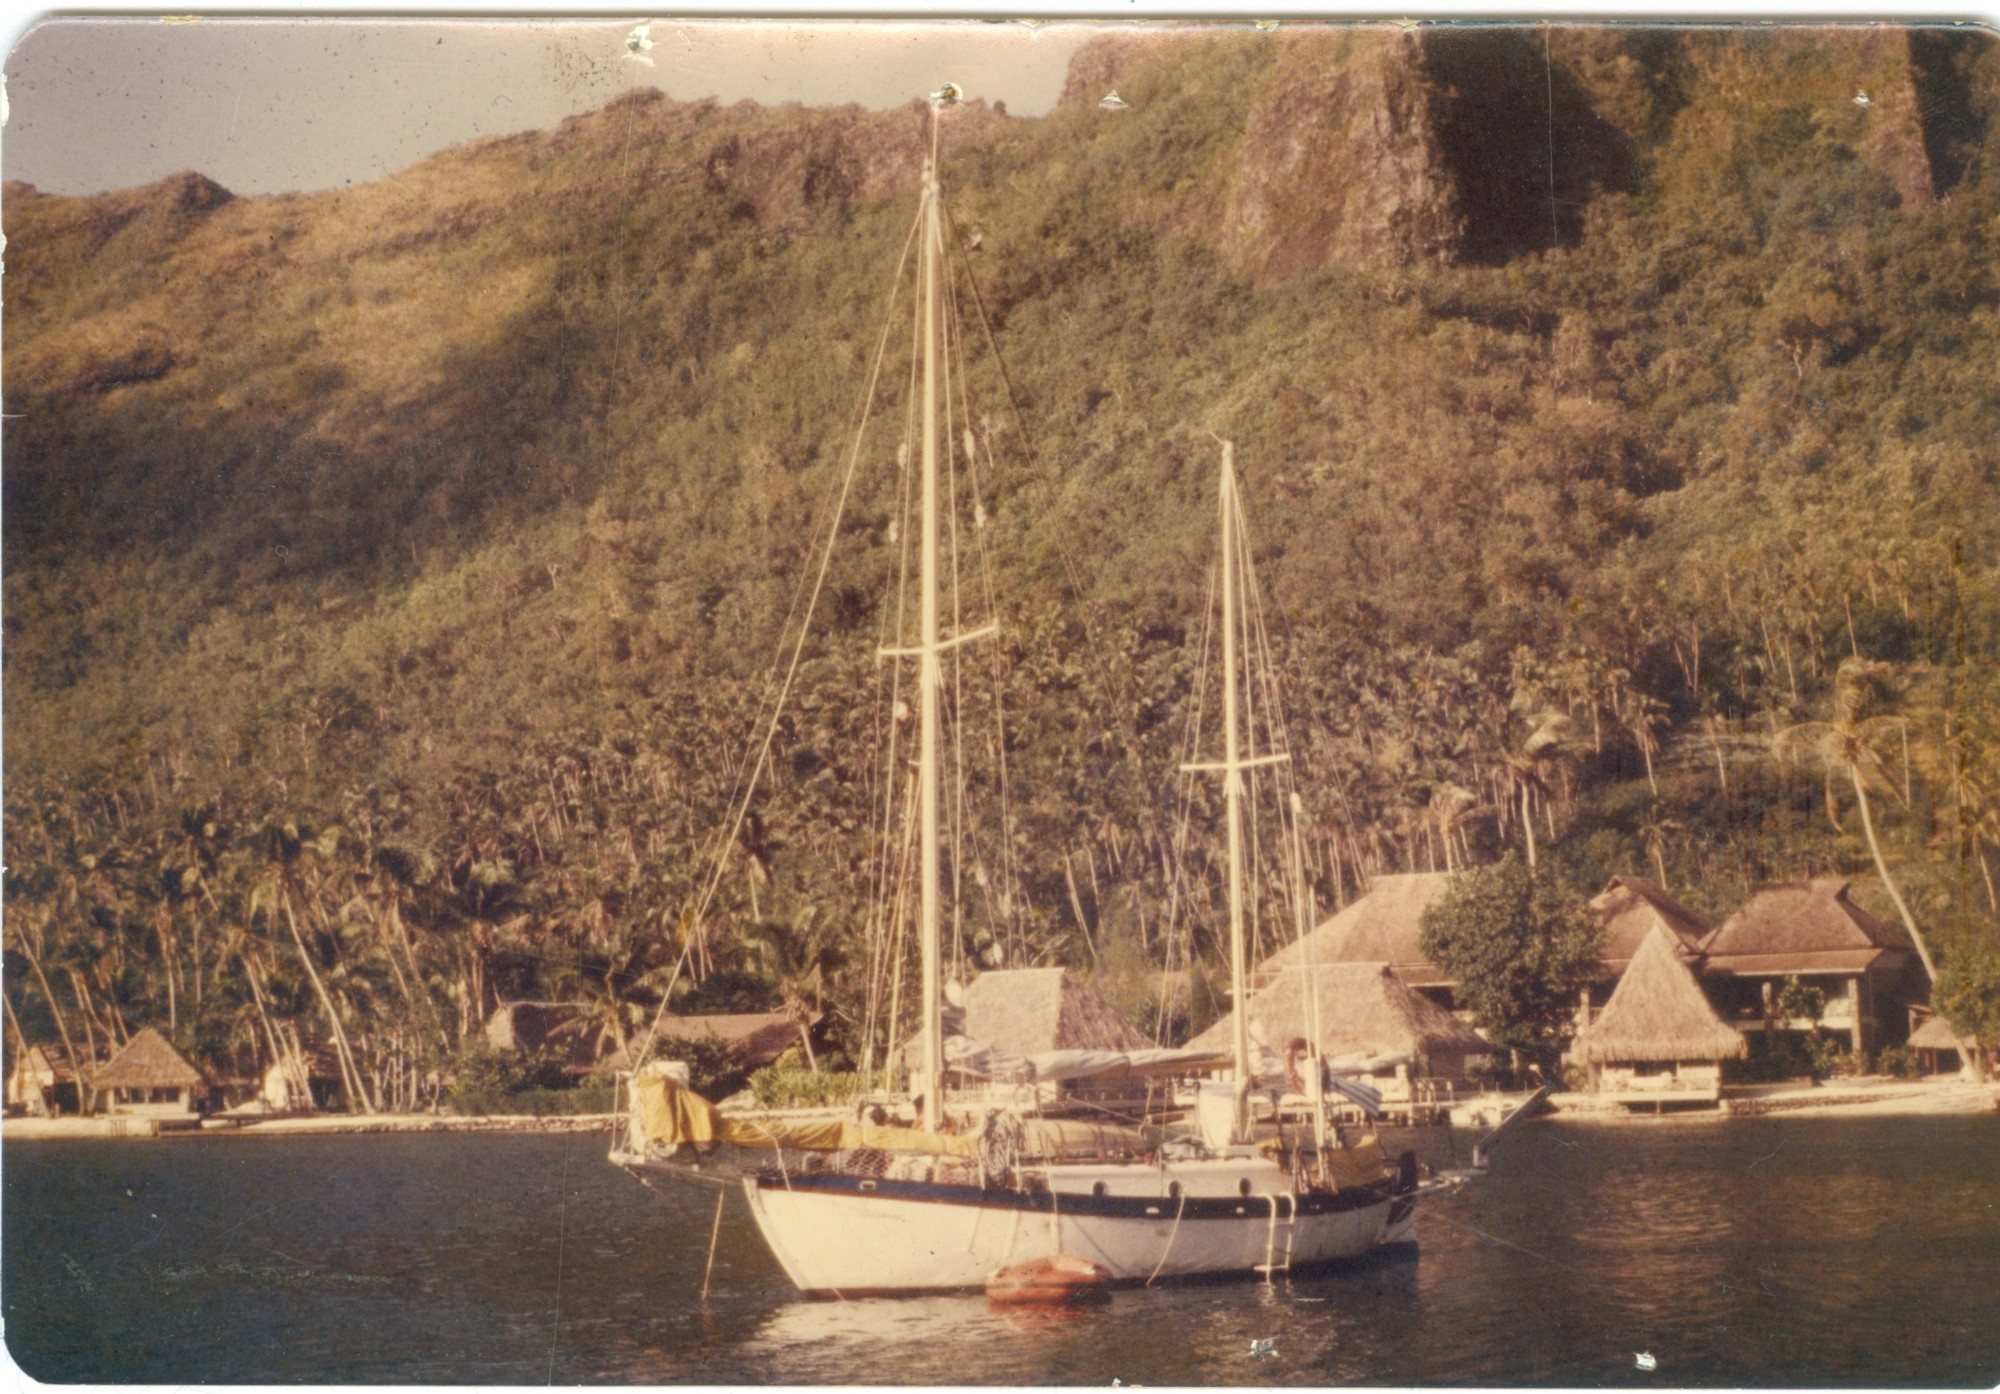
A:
1847,746
1656,828
795,957
1530,762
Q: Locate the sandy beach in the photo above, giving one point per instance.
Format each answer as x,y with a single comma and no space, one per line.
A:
1869,1097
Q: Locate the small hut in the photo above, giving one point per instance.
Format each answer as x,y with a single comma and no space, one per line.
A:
149,1079
1657,1040
1364,1011
1936,1047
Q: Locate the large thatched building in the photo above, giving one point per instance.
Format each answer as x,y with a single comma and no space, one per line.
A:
1811,930
1033,1010
1657,1039
1382,927
1007,1016
1359,1011
150,1079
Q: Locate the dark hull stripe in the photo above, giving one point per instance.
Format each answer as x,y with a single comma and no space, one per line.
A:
1042,1202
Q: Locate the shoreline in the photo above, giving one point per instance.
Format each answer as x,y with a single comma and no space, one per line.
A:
45,1129
1855,1098
1866,1097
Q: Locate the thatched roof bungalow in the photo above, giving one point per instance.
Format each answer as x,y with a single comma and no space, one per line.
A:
1382,927
149,1079
1033,1010
1361,1009
1629,909
1936,1046
1023,1012
1658,1040
1812,930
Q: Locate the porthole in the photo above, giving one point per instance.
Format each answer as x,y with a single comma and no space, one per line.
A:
1243,1187
1098,1188
1173,1190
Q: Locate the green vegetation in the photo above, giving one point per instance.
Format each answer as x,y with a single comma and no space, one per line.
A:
789,1083
392,574
1521,945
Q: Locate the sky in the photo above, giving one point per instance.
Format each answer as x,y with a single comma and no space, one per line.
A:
273,105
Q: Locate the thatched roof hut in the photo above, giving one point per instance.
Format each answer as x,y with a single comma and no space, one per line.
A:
1658,1012
1381,927
1361,1008
149,1076
1033,1010
1937,1047
1629,908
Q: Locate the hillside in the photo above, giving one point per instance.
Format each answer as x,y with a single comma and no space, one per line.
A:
408,555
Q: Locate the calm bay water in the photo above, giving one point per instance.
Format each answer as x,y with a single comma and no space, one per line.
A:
1772,1252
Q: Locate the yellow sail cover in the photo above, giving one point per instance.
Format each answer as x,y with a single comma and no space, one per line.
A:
669,1115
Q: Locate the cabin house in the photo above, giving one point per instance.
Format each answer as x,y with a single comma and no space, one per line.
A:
1812,930
42,1083
1658,1040
151,1081
1630,908
1368,1024
1382,927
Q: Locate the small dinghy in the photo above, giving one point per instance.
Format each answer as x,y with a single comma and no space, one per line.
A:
1060,1278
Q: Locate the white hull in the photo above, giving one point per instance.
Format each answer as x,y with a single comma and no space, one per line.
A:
846,1235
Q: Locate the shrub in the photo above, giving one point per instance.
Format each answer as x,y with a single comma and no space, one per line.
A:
1823,1056
1900,1062
714,1069
787,1083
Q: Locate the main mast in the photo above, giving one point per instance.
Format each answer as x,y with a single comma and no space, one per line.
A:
930,669
1231,767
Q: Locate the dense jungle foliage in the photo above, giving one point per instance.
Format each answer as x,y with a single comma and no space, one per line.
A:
395,576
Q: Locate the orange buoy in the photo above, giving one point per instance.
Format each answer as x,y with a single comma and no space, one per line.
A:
1062,1278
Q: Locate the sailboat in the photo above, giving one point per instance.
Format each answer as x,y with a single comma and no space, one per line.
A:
850,1208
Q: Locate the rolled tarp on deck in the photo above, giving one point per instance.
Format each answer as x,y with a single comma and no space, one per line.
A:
668,1115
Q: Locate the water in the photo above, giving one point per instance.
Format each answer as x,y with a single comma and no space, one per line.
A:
1764,1252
